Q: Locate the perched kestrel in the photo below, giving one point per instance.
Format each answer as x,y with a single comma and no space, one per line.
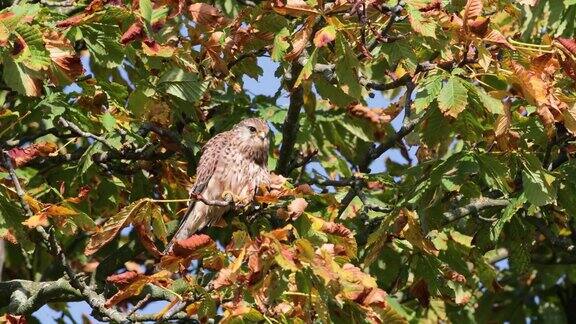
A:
233,162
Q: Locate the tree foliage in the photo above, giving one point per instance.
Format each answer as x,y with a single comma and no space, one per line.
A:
105,105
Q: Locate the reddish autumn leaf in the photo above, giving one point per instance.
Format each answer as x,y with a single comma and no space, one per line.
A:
336,229
568,43
472,10
190,245
134,32
479,26
134,288
22,156
82,195
420,290
123,278
16,319
73,21
146,238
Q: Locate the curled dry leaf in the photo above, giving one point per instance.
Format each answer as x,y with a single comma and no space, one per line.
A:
63,57
472,10
207,15
325,36
420,290
123,278
82,195
134,288
113,225
568,43
190,245
300,39
336,229
376,297
134,32
296,208
22,156
454,276
374,115
295,8
146,238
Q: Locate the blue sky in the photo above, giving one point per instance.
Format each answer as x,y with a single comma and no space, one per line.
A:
265,85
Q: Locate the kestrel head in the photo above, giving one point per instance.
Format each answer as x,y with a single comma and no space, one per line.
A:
252,134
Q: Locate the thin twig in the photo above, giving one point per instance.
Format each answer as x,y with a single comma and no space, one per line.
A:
139,305
77,130
473,207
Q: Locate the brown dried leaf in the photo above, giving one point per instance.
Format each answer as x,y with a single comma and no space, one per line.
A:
134,32
420,290
294,8
336,229
479,26
374,115
296,208
376,297
568,43
21,156
300,39
472,10
207,15
123,278
325,36
113,225
496,37
413,234
145,236
82,195
190,245
64,58
134,288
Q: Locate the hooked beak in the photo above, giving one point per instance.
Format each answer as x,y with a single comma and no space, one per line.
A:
262,135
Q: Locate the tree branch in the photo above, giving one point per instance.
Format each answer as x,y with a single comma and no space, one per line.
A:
473,207
291,123
95,300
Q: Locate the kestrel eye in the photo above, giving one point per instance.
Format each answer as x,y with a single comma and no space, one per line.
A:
252,129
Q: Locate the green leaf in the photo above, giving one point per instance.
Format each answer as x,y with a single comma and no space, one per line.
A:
146,10
346,68
108,121
453,97
11,218
21,79
307,69
507,214
183,85
281,45
537,182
